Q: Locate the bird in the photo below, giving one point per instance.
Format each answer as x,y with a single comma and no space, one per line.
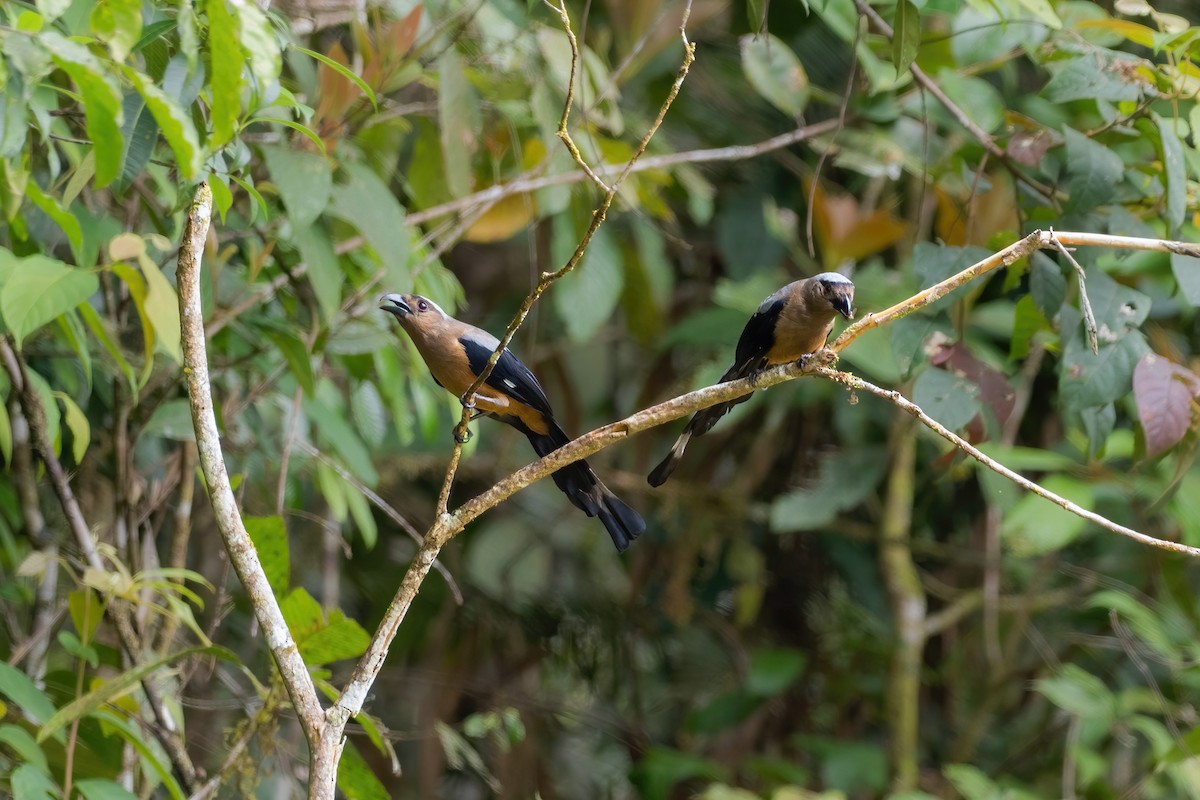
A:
789,324
456,354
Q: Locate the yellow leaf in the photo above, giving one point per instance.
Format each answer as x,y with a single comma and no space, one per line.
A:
504,219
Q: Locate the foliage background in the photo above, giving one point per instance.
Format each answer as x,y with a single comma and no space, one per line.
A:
826,600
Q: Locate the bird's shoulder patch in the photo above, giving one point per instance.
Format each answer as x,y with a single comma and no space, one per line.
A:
510,376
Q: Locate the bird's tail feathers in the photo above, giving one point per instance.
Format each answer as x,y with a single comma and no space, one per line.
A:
658,476
586,492
622,522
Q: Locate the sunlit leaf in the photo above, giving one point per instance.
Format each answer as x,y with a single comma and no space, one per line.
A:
1036,525
41,289
226,81
175,124
271,541
77,423
119,24
101,102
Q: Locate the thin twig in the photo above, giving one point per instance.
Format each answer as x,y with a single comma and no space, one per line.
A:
899,400
177,559
1085,305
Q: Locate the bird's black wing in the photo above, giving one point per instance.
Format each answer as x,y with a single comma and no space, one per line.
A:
510,377
757,339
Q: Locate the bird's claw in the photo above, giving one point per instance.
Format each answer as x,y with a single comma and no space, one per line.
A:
463,435
820,358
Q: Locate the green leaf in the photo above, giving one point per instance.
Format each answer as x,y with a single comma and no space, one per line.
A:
1095,172
140,133
364,520
222,197
170,420
175,123
41,289
980,100
77,424
304,182
952,400
356,780
907,38
773,671
73,332
340,638
296,354
300,128
53,209
120,684
119,24
845,480
52,9
24,745
301,612
366,203
87,609
100,330
458,117
16,686
1084,78
324,270
258,41
6,434
775,72
334,429
269,535
30,783
1148,624
342,70
102,789
1043,11
1081,694
586,298
756,15
1187,274
101,102
1036,525
1174,173
226,82
152,757
1093,379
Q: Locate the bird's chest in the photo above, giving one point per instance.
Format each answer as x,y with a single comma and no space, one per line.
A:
797,333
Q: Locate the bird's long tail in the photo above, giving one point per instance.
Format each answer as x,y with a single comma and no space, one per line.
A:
700,424
585,491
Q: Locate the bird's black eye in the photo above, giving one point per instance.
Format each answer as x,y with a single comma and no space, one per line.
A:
422,305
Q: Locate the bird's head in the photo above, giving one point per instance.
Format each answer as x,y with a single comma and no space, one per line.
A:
838,290
415,313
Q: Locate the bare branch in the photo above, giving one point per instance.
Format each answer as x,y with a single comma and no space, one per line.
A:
1089,316
208,442
856,383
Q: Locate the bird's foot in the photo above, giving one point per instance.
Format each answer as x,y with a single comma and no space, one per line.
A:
820,358
462,434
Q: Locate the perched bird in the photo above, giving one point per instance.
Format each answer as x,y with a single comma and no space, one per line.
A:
790,323
456,354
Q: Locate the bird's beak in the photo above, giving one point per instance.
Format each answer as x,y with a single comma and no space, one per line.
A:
394,304
841,304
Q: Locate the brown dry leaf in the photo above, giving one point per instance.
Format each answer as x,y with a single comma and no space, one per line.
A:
843,232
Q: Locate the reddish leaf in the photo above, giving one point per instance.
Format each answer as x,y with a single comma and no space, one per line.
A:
404,33
1164,393
995,392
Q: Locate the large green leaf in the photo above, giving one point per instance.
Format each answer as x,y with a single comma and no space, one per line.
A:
120,684
16,686
103,789
101,101
324,270
951,399
258,41
304,181
175,123
1174,174
356,780
366,203
1036,525
321,640
119,24
30,783
226,81
41,289
270,539
907,39
1095,171
24,745
162,308
775,73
